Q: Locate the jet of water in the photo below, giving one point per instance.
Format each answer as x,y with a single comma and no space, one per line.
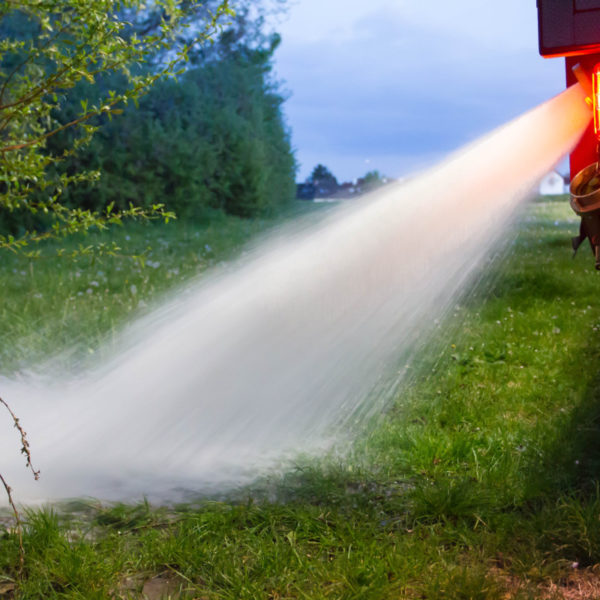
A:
281,353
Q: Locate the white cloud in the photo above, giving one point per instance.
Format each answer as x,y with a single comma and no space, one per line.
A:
405,78
510,23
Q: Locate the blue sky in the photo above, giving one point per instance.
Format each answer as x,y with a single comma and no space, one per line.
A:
395,85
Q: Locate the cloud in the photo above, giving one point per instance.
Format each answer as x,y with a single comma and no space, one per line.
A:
399,80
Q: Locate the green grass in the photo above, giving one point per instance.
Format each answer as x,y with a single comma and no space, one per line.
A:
66,309
480,482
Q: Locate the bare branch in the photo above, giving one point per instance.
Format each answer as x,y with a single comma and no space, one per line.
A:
36,475
24,442
18,524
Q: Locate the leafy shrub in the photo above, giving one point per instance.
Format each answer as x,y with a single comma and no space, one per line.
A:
213,139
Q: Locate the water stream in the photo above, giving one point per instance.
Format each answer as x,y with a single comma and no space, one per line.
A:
292,348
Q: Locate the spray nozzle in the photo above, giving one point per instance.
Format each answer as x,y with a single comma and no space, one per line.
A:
584,81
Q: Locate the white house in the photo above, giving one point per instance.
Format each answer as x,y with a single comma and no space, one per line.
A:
552,184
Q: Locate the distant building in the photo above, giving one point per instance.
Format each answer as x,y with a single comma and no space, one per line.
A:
346,190
306,191
553,184
328,189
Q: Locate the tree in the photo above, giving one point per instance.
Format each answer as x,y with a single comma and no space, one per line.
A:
47,48
213,139
371,180
324,181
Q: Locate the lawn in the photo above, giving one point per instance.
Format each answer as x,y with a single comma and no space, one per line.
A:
480,482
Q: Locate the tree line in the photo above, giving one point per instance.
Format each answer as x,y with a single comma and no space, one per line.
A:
180,115
214,138
322,183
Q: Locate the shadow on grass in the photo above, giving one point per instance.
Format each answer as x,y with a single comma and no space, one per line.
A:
575,454
564,505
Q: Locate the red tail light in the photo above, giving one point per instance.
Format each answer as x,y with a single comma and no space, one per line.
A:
596,99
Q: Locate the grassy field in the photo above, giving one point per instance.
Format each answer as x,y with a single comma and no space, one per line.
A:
481,482
68,309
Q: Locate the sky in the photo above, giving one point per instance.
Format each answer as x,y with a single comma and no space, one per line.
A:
396,85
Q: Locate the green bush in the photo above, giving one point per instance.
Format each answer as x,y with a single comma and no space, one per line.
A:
215,138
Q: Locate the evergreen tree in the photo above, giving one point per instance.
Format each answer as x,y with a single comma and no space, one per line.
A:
324,181
213,139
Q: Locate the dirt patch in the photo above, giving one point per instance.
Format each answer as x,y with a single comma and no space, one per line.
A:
579,585
164,586
7,590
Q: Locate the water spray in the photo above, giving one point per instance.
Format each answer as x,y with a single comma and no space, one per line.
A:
571,28
296,347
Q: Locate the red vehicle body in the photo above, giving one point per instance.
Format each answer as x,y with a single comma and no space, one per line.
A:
571,28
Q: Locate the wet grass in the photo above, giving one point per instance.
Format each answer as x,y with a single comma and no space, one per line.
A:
481,481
